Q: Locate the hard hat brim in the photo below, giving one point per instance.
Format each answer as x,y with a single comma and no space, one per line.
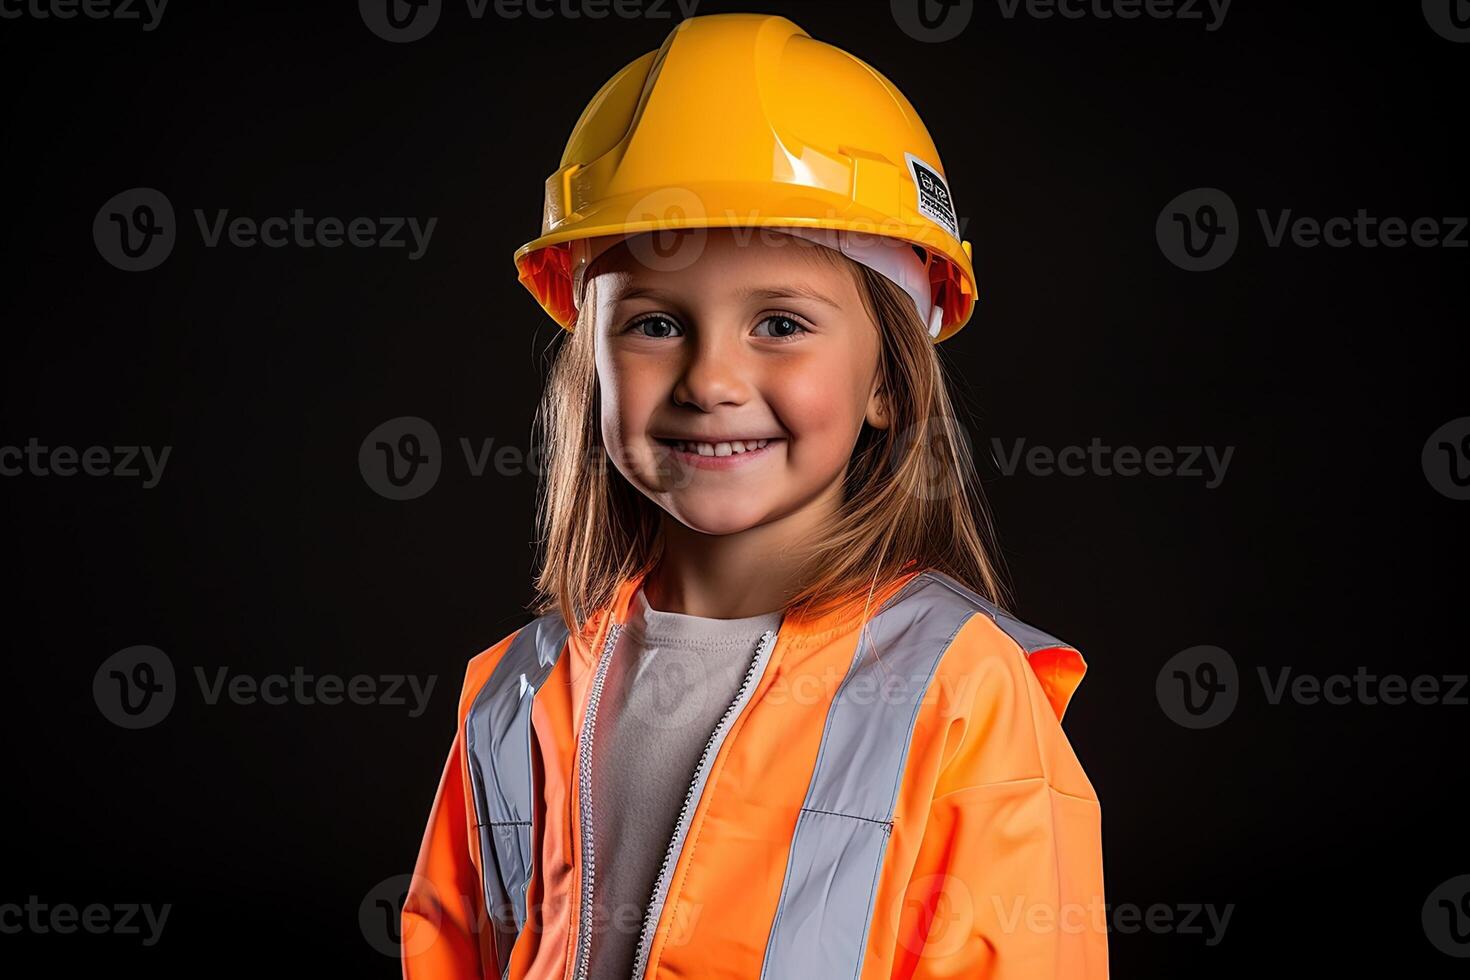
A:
544,264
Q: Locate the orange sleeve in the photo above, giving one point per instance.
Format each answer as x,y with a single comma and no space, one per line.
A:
1008,884
441,913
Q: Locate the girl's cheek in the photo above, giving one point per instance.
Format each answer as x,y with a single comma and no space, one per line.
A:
816,400
624,395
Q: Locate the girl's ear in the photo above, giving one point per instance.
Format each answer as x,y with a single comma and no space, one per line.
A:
878,416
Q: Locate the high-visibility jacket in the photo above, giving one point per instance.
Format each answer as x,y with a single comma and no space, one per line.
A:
889,794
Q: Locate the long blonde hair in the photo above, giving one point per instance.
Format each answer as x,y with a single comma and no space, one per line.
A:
911,493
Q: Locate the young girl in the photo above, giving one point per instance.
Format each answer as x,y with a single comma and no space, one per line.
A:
770,720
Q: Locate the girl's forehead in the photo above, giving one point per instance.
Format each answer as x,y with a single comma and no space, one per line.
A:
718,256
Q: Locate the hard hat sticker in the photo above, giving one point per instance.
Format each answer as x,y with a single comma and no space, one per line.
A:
935,202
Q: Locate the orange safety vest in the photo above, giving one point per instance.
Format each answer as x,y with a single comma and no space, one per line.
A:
890,794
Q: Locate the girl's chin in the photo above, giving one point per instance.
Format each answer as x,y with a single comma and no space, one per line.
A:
715,520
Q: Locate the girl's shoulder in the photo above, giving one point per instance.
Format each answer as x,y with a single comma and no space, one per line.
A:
988,637
529,649
1000,689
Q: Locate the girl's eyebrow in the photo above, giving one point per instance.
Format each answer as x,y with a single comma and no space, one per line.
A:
636,292
788,291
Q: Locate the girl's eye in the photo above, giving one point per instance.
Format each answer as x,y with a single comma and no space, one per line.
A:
784,326
661,331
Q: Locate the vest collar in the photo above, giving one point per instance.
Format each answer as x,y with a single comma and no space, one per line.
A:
846,616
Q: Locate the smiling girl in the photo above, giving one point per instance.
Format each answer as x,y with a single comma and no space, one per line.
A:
771,719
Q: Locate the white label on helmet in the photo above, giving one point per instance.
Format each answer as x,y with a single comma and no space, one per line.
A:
934,200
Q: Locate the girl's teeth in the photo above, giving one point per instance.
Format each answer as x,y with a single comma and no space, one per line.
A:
721,448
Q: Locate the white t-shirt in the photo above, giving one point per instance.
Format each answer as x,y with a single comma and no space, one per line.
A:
670,680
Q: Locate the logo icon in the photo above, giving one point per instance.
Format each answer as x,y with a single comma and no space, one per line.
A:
950,907
135,230
1446,459
400,21
134,688
400,459
932,21
1446,917
380,916
929,440
1450,19
1198,687
672,244
1198,230
671,693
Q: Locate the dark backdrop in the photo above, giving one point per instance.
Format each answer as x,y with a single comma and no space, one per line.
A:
1330,545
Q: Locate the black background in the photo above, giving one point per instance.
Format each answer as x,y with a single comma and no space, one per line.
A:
1325,548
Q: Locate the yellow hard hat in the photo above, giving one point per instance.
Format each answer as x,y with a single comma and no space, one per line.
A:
745,120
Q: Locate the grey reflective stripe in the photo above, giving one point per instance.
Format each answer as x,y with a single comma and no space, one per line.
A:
498,753
822,918
826,904
1028,638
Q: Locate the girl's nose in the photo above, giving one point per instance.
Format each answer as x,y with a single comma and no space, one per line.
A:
714,371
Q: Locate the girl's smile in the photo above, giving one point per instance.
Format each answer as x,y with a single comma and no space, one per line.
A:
722,455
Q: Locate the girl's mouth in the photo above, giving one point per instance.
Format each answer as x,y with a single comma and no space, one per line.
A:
719,455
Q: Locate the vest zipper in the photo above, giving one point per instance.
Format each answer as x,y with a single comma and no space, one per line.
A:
584,791
686,811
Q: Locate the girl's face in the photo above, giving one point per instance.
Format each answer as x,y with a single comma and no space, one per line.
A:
754,342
